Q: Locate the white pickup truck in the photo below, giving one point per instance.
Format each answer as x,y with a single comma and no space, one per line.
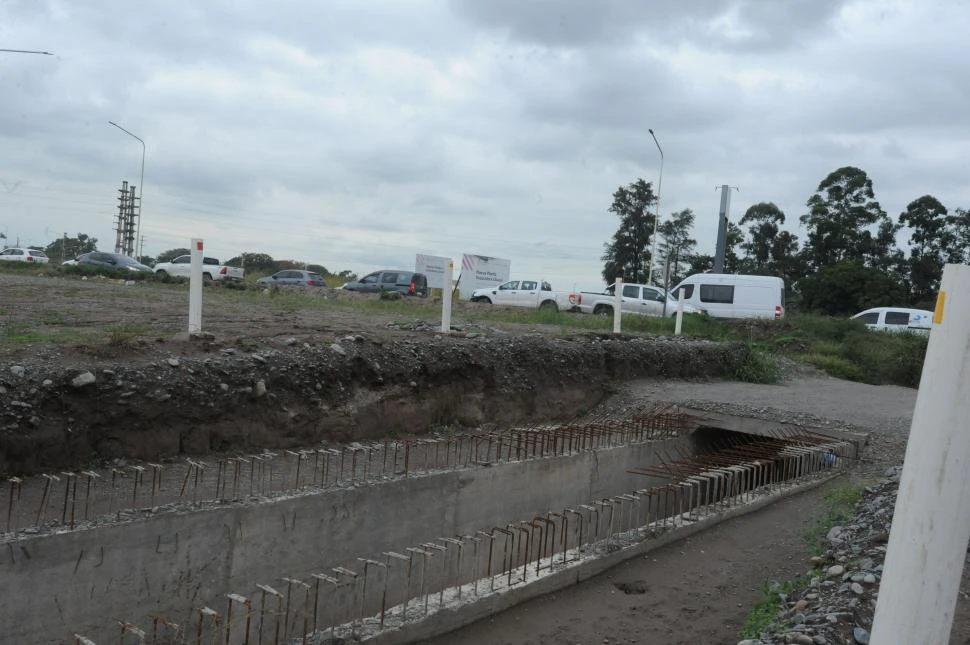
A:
532,294
212,269
634,299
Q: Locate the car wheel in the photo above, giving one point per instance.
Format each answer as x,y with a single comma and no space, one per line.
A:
484,299
603,310
549,305
161,274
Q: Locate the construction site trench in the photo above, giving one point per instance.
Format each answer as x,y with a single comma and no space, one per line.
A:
380,515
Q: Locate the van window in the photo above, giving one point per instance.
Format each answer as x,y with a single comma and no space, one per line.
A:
722,293
897,318
631,291
389,278
872,318
688,290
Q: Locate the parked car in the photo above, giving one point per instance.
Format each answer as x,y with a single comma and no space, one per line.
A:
112,260
917,321
634,299
24,255
212,269
532,294
408,283
292,276
731,295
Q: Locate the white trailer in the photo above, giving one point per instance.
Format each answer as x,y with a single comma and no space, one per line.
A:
480,271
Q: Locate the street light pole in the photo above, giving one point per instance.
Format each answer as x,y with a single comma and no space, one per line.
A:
656,219
25,51
141,187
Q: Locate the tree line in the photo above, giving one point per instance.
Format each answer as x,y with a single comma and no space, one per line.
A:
850,258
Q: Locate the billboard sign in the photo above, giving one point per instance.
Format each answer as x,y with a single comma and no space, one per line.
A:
478,271
433,267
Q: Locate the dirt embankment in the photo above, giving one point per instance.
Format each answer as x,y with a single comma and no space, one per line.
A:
293,393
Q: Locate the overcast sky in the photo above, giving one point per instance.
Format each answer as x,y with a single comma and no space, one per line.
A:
356,134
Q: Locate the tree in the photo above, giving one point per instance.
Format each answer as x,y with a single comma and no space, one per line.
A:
763,220
849,287
959,223
627,255
846,224
677,246
171,254
67,248
254,262
932,242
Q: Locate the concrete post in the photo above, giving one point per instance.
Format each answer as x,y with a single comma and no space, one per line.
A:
617,301
680,312
446,297
195,287
720,248
931,525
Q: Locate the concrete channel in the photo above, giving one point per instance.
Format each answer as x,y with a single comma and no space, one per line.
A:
386,542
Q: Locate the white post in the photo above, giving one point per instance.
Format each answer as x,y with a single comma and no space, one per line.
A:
446,297
617,301
195,287
931,525
680,312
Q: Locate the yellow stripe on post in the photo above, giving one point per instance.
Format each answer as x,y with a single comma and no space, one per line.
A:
938,312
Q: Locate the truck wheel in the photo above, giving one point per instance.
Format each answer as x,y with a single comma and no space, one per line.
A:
206,277
603,310
549,305
484,299
161,274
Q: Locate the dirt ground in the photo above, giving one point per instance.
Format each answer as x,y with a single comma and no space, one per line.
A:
697,591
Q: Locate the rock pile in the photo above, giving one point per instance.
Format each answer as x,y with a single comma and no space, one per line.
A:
837,604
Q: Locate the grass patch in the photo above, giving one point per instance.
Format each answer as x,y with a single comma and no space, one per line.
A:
765,612
757,366
838,507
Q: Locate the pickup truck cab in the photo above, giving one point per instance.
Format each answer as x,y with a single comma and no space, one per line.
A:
532,294
634,299
212,269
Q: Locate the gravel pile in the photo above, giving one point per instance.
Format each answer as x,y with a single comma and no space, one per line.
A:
837,605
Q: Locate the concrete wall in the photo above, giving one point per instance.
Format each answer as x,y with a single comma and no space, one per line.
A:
82,581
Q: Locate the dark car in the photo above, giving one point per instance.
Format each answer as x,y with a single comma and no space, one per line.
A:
292,276
408,283
112,260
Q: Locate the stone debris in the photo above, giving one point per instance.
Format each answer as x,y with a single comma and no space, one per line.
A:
837,606
83,379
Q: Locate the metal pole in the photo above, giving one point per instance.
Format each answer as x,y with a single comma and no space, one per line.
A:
25,51
656,219
141,187
931,523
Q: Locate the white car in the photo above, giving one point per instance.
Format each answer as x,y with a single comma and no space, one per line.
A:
24,255
917,321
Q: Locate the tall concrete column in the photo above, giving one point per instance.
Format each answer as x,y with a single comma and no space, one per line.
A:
722,221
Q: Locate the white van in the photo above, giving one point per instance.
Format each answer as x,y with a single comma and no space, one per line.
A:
917,321
726,295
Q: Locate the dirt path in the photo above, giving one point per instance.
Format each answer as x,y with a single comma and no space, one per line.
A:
699,591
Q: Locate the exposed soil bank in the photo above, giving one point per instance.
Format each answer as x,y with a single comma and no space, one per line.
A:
296,393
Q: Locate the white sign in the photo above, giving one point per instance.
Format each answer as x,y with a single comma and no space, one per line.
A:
433,267
478,271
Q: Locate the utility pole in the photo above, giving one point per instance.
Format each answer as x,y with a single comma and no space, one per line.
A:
722,222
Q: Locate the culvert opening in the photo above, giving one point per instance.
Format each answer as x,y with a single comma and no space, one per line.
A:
412,529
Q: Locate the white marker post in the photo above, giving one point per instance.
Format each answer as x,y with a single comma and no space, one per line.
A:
195,287
931,525
446,293
617,301
680,312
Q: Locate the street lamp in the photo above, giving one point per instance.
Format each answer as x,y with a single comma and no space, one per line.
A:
656,220
141,188
25,51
